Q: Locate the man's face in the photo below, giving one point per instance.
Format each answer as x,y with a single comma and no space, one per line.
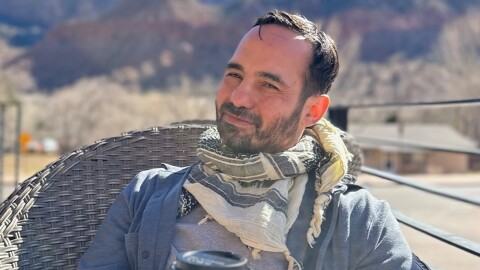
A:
257,102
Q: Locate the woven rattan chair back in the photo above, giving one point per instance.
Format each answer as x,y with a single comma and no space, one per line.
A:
50,220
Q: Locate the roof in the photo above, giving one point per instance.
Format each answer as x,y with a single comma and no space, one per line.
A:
431,134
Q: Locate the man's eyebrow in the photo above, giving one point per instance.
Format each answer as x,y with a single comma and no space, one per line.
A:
235,66
272,77
264,74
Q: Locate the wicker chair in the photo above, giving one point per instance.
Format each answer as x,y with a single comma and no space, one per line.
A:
50,220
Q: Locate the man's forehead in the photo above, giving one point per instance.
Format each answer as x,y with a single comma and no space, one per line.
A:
276,35
275,32
274,49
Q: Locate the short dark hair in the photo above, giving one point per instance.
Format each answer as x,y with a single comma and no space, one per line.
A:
323,66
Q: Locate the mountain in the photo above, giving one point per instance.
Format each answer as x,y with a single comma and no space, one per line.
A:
47,13
171,38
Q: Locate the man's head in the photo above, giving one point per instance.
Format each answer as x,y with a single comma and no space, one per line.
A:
275,83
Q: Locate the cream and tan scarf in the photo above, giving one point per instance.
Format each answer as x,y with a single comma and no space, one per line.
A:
257,197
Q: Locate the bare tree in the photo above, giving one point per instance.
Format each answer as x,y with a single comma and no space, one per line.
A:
96,108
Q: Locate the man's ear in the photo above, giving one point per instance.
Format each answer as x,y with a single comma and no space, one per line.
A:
316,107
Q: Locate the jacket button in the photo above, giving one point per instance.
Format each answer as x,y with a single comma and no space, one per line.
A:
145,254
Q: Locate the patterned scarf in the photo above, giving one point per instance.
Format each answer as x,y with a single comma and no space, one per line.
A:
257,196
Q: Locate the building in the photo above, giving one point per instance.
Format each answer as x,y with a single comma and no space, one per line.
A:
389,156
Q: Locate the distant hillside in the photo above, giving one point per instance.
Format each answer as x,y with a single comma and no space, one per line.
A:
47,13
170,38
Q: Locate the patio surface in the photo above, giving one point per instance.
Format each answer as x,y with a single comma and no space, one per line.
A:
452,216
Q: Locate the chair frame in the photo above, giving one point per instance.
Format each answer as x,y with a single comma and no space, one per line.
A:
51,218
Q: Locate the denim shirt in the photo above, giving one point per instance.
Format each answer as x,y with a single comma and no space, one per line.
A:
359,231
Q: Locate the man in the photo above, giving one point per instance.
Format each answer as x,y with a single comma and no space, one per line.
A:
271,183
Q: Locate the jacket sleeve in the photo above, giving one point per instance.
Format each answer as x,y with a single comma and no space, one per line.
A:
385,245
142,213
108,249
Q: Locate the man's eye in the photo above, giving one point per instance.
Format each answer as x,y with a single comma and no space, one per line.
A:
271,86
233,75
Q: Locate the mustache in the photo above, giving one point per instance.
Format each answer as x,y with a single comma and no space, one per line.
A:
241,112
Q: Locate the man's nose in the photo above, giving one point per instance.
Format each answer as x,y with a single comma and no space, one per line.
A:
242,95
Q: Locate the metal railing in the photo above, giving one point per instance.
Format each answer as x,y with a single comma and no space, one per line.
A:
3,124
339,116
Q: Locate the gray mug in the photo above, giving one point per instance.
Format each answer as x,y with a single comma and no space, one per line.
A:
209,260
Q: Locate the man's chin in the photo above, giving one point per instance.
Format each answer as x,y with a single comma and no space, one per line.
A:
233,139
239,147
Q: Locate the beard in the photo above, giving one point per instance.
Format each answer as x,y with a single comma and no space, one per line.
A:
272,138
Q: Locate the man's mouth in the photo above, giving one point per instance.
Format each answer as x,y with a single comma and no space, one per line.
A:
237,120
239,117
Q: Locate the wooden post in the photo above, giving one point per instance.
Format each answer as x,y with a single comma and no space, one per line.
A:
339,117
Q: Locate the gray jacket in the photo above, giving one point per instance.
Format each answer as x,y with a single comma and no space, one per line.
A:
359,231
